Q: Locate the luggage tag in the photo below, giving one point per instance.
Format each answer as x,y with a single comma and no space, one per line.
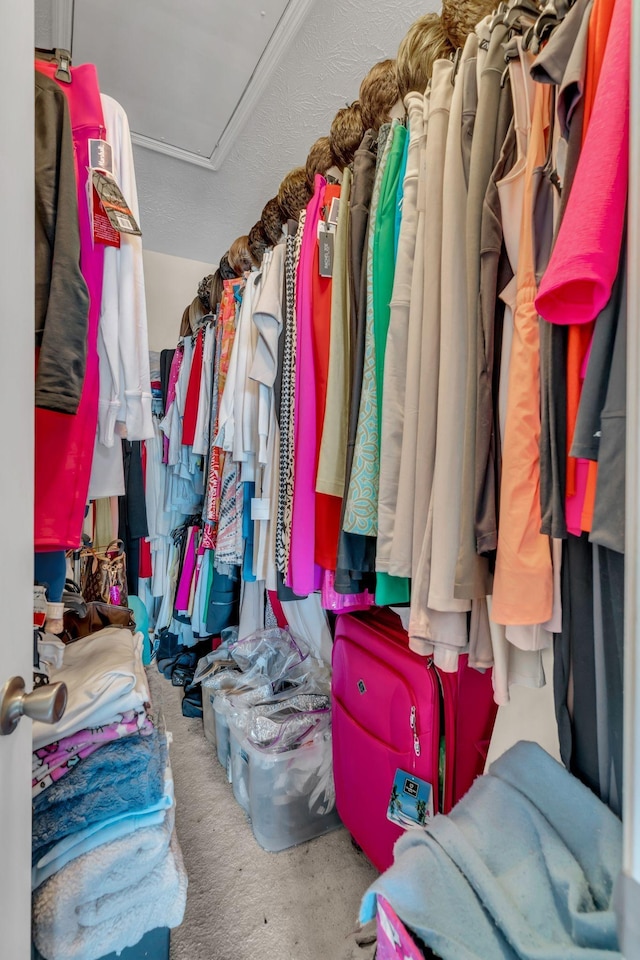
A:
411,801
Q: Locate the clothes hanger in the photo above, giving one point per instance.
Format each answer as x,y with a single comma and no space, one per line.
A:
551,16
547,21
59,56
455,57
208,318
520,13
510,53
530,41
498,15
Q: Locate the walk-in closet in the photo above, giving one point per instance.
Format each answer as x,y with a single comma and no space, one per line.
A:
320,480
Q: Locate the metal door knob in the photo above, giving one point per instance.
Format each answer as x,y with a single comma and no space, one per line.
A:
46,704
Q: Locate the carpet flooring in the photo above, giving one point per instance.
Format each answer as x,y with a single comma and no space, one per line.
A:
244,903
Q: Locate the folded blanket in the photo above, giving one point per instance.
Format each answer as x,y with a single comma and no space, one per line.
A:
106,900
121,777
77,844
104,677
528,859
51,763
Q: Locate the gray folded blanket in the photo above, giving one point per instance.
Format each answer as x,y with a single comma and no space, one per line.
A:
120,777
523,867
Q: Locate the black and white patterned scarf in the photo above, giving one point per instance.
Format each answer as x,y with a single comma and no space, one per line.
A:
287,406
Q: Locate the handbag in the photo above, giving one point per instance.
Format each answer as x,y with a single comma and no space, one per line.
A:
98,616
104,574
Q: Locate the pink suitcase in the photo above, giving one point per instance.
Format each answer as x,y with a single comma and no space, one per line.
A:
391,708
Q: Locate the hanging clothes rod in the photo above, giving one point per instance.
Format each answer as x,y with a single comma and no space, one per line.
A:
59,44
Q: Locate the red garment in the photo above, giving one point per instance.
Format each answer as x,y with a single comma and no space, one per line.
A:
190,417
278,610
64,444
328,508
145,569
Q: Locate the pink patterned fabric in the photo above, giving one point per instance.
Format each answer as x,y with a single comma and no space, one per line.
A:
52,762
303,575
225,335
584,263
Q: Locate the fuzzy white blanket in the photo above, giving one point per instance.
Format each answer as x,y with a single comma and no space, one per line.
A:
106,900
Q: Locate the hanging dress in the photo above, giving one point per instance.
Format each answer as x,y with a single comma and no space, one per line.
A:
361,511
303,576
523,586
64,443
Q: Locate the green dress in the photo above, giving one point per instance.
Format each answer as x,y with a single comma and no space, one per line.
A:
389,590
361,510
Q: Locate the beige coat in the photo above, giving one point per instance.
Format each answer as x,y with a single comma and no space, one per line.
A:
403,319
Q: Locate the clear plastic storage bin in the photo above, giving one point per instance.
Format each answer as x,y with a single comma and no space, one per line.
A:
291,794
208,717
239,766
221,714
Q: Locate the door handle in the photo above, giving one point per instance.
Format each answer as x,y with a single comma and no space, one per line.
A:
46,704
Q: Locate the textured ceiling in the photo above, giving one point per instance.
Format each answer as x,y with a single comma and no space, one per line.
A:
159,59
196,213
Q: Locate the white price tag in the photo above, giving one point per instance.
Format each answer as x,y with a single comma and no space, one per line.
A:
260,508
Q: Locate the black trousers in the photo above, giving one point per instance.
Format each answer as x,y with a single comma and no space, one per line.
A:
575,665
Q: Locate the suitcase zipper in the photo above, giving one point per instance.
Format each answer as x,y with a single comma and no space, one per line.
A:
414,723
414,727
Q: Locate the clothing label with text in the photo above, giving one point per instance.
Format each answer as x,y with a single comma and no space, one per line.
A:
114,203
101,156
326,253
103,232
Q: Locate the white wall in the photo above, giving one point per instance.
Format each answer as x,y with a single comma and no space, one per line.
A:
16,479
171,283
